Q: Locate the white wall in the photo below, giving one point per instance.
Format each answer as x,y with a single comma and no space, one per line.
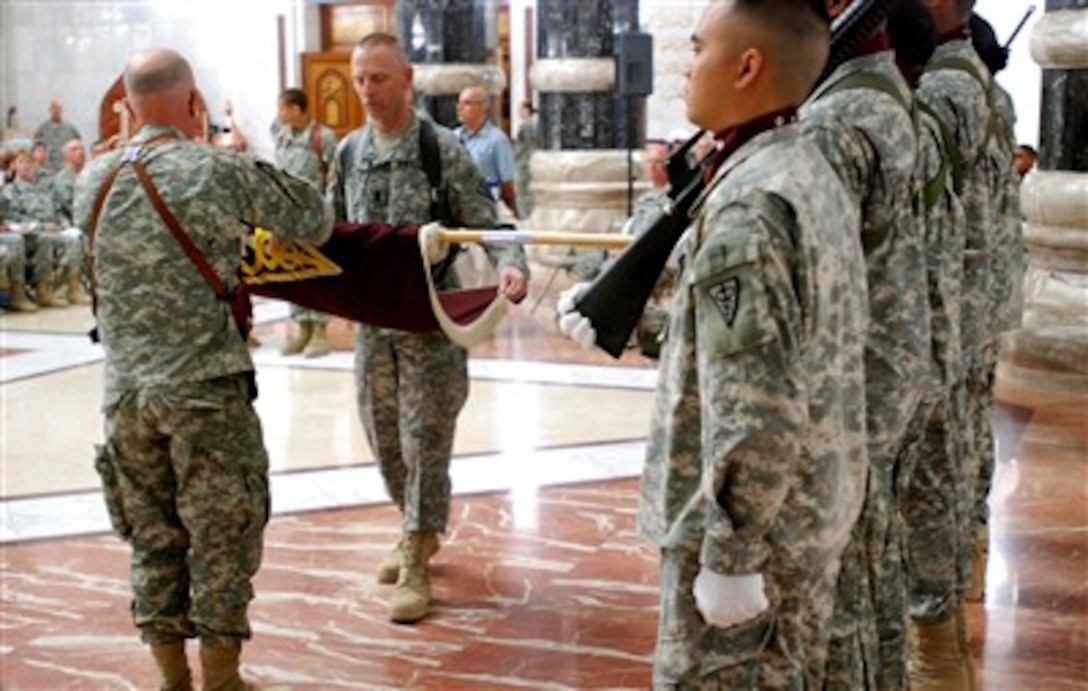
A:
73,50
1022,78
672,22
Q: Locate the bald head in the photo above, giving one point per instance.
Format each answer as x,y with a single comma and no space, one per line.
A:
160,90
157,71
472,107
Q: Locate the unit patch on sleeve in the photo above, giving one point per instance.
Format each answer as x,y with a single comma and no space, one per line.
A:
726,297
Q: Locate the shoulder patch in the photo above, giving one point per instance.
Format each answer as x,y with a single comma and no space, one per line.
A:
726,297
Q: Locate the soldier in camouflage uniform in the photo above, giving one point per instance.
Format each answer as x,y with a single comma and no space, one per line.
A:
296,153
755,467
52,248
63,184
932,479
410,386
54,133
13,267
860,116
1008,263
955,88
184,467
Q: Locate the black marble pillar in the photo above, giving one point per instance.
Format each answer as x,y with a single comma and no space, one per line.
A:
1063,136
437,32
587,120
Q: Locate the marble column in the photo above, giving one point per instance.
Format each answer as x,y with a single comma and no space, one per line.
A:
1050,349
449,42
581,169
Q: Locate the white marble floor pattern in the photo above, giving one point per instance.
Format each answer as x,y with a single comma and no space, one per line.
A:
519,472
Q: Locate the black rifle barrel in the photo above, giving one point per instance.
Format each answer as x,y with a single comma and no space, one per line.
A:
1019,27
615,300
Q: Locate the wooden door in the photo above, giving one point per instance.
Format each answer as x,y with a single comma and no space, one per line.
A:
326,79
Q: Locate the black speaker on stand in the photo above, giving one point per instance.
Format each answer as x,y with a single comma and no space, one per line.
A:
634,78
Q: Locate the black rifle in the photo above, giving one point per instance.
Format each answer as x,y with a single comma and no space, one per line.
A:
614,302
1019,28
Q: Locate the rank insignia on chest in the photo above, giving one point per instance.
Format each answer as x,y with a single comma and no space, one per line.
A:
726,296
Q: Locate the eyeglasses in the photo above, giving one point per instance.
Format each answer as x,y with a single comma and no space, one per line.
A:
470,103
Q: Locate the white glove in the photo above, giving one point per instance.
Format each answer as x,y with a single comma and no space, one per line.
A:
728,600
436,249
568,296
574,324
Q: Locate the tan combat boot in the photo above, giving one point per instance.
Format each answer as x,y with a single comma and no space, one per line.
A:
413,593
220,663
389,567
319,342
173,666
74,290
43,294
980,560
938,662
298,343
19,302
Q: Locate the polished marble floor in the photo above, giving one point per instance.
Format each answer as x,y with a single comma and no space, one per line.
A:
542,582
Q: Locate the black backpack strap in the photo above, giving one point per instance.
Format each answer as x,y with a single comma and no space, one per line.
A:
431,157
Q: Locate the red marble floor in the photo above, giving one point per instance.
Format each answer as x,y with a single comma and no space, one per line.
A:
548,588
550,591
556,592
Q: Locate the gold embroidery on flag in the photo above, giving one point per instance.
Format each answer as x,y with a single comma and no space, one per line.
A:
289,261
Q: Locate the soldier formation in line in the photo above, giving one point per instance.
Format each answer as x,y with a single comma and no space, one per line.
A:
820,453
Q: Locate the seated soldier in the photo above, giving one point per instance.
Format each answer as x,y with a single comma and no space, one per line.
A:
648,207
30,208
13,270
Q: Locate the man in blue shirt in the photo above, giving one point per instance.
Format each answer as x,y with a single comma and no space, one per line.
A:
489,146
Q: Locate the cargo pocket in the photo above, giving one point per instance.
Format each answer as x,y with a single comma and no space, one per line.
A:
111,490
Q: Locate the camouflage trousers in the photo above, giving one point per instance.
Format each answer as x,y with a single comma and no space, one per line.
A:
867,648
304,315
53,255
410,388
979,452
20,257
782,648
936,491
12,258
185,477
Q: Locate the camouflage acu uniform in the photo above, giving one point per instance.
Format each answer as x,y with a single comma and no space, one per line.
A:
63,188
295,153
960,99
184,468
12,258
932,475
55,135
524,147
1007,265
756,456
861,118
48,252
411,386
1011,257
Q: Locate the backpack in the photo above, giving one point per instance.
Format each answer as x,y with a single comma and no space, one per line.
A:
430,156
